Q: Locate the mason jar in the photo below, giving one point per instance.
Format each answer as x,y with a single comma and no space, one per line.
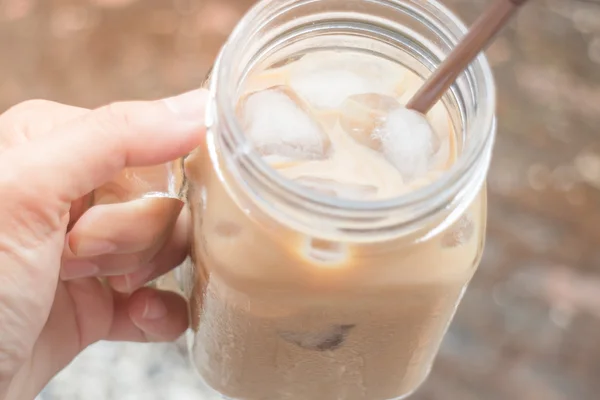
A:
300,295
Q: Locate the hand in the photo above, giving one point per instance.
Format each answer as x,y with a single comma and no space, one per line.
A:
55,162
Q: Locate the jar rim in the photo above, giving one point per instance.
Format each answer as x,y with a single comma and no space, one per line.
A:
472,153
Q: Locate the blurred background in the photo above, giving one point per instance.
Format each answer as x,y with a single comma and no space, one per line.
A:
529,325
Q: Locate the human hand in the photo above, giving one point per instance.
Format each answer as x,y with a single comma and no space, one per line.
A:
55,161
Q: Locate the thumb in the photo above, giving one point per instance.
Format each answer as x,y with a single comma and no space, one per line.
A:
90,150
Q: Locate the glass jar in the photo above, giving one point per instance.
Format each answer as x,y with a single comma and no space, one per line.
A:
296,295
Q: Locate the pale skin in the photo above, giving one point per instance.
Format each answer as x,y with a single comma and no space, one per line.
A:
73,273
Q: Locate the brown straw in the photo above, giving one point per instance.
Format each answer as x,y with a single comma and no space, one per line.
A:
476,40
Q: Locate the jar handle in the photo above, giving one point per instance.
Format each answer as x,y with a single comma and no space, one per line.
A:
179,278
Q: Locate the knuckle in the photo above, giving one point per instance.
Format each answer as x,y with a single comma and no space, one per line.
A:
18,116
30,119
30,105
114,119
112,126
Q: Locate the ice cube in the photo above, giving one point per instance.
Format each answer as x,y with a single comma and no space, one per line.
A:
328,88
460,233
438,118
266,80
279,123
327,78
327,339
343,190
440,122
361,114
408,142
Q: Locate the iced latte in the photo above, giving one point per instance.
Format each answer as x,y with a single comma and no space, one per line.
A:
278,314
334,231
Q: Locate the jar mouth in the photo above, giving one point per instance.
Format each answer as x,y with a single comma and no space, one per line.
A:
477,88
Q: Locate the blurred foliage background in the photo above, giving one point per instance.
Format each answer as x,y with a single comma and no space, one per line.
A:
528,326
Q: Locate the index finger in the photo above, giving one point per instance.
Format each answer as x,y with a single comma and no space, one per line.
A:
88,151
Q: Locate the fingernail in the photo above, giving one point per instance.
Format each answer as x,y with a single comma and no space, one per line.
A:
189,105
155,308
77,269
94,247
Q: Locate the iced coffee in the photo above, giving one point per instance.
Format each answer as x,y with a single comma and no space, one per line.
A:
279,313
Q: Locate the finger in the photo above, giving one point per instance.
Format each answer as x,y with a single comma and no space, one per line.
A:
121,228
126,271
102,266
87,152
132,183
34,118
149,315
102,314
157,322
173,253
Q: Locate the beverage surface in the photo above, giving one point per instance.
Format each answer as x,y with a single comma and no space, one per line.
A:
334,122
